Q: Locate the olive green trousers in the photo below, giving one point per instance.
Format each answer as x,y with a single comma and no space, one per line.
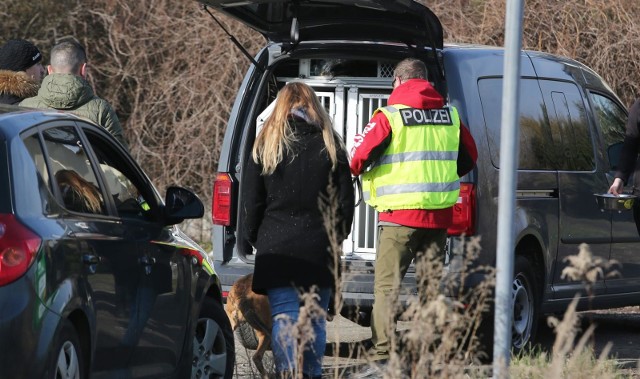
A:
397,247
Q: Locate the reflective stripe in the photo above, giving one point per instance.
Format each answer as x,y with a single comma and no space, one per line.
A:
366,195
418,168
395,189
417,156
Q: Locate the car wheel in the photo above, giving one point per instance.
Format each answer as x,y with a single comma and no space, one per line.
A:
525,304
213,346
67,359
247,336
524,314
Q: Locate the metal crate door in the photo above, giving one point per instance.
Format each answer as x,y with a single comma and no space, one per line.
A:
363,239
327,99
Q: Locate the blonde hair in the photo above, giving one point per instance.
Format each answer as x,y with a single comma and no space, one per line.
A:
78,194
276,136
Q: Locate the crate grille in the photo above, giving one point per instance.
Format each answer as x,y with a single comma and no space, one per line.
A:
385,70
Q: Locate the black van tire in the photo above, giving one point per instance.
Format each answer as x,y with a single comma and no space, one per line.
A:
213,338
524,291
526,303
67,359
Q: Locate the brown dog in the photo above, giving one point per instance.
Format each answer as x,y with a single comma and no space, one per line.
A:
244,305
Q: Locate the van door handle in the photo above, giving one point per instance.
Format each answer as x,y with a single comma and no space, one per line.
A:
147,261
90,259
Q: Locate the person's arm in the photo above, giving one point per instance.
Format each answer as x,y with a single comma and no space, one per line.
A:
467,151
253,197
370,144
630,147
109,120
346,196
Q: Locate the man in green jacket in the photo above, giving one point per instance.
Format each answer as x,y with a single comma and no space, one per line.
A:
66,89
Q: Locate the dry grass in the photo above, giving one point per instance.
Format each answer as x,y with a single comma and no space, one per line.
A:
172,73
570,358
604,35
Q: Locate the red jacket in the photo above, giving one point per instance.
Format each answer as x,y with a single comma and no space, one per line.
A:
374,139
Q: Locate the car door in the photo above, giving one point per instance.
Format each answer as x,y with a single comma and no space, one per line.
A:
159,321
579,177
93,240
611,119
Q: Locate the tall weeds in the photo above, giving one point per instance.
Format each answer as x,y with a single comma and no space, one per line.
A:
571,359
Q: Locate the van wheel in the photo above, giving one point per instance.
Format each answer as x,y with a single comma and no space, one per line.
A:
67,359
213,346
524,293
524,314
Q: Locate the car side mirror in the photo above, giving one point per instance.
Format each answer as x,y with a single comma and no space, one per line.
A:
180,204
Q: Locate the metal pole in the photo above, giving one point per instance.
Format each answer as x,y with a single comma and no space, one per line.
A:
509,140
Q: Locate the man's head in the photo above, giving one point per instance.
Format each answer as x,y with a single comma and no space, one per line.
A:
21,55
409,68
68,57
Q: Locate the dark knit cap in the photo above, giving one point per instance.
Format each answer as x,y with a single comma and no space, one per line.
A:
18,55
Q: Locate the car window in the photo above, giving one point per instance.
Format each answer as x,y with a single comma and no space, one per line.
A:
33,152
611,119
537,146
568,120
130,193
67,170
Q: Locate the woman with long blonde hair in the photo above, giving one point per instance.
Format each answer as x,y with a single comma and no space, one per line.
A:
297,160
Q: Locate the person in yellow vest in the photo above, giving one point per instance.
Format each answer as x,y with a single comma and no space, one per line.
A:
411,156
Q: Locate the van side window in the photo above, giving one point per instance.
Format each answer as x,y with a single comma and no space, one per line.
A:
568,121
611,119
537,148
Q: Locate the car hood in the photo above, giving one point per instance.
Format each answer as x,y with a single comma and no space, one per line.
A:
403,21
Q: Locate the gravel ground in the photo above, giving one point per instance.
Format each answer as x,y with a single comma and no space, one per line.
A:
340,330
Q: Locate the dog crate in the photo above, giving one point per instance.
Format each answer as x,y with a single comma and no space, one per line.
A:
350,91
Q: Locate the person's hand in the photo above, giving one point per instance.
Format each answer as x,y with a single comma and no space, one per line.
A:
616,187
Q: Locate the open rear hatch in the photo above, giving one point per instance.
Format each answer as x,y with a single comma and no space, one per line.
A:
402,21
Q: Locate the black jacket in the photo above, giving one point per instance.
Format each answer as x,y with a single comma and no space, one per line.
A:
629,154
283,219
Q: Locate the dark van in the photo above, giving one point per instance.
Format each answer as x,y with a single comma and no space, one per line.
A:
571,126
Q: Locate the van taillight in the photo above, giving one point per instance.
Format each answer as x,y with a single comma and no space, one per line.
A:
222,193
18,248
464,217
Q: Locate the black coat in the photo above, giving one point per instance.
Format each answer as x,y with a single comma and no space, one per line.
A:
629,155
283,217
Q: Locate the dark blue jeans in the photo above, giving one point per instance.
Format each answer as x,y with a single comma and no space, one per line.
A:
285,308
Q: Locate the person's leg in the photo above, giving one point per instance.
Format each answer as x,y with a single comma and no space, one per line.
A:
421,241
393,258
285,307
313,352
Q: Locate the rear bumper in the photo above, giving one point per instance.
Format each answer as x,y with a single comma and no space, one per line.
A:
357,284
25,330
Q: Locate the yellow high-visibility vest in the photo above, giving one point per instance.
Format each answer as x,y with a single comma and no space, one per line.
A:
418,170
